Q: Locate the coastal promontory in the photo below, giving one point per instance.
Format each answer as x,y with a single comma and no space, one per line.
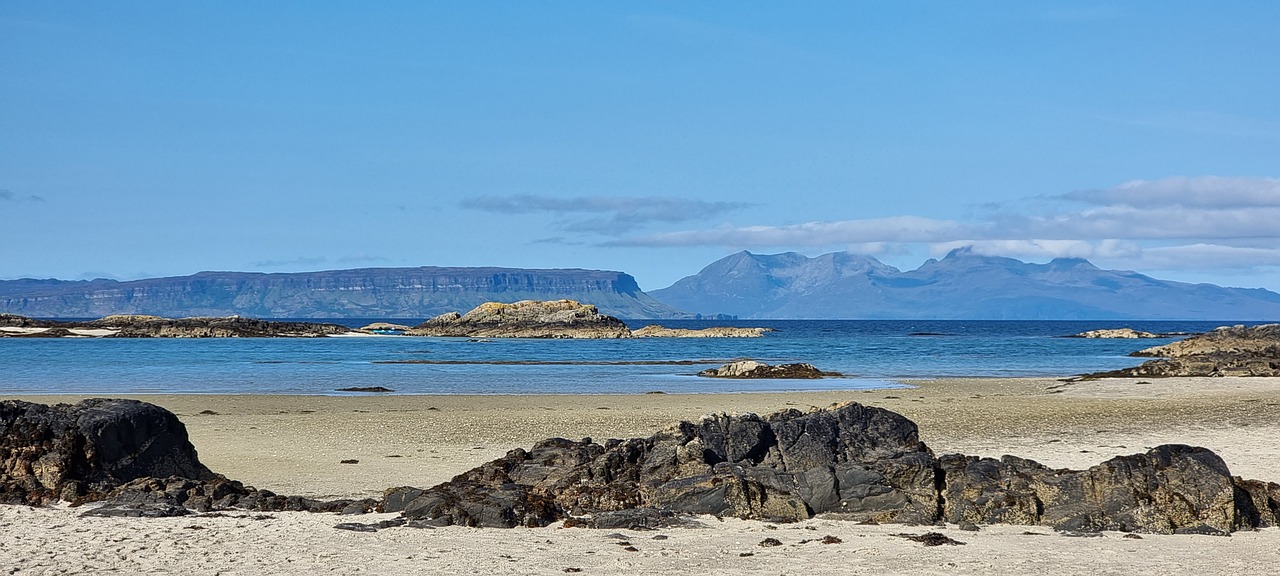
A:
1226,351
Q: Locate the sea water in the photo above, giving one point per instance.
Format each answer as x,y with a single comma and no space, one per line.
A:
870,353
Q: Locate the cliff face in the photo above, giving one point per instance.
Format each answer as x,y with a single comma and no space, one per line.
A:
962,286
363,293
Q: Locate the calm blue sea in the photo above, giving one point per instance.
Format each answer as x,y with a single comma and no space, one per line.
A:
872,353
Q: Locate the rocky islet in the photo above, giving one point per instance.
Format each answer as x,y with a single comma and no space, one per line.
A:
1227,351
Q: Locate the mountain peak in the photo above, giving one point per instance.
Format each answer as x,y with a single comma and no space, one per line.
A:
963,285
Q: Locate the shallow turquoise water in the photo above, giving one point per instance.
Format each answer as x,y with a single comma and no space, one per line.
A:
872,353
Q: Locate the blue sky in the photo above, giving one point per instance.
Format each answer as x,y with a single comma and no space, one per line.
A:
165,138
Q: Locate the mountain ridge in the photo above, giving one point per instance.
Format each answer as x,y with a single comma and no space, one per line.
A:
963,285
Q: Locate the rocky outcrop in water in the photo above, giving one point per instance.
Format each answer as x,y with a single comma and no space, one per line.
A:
1226,351
141,326
849,462
228,327
526,319
748,369
1123,333
656,331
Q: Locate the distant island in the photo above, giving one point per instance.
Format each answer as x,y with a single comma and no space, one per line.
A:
383,293
962,286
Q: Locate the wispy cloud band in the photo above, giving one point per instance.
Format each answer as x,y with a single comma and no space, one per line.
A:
604,214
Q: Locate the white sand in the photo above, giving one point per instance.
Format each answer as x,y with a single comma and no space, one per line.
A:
293,445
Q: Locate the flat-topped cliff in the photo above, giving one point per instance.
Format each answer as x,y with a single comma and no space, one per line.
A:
421,292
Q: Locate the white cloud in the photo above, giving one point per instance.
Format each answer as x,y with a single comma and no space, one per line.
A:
619,213
1212,192
1038,249
1122,221
1227,224
878,230
1209,257
299,261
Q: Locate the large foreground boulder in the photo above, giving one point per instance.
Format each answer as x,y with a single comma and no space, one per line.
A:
862,461
849,461
134,456
70,451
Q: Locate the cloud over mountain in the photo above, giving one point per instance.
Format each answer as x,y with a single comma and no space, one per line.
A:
1168,223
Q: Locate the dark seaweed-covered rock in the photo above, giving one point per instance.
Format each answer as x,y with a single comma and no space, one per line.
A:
862,461
849,461
70,451
1170,488
133,456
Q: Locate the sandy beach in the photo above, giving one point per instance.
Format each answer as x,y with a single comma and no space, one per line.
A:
294,445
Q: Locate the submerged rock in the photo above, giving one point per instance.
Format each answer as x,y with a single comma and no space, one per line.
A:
657,331
525,319
753,369
383,328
